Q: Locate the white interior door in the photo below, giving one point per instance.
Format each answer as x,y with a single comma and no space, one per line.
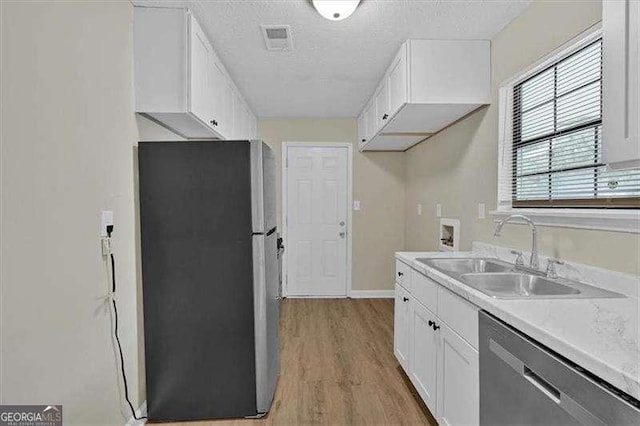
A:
316,220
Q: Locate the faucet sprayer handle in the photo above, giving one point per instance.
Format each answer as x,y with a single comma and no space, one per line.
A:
519,258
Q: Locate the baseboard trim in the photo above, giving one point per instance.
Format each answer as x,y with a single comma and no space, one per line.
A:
371,294
140,412
319,296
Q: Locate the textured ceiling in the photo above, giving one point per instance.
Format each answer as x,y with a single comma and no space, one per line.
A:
334,66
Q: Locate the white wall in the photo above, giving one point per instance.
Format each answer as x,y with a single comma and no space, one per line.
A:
68,135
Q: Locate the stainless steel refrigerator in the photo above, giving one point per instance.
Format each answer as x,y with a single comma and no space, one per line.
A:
211,289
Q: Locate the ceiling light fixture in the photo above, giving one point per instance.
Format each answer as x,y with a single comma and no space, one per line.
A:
335,10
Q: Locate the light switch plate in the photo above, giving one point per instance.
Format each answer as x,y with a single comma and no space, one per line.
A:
419,209
356,205
438,210
106,219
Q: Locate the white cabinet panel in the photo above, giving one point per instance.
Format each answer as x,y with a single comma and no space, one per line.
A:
202,94
371,121
459,314
458,381
382,106
403,274
398,82
424,290
219,79
362,128
424,354
621,83
401,317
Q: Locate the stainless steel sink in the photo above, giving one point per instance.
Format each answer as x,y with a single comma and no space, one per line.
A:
503,280
516,285
461,266
530,286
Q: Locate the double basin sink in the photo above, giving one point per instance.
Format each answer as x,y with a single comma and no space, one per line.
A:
503,280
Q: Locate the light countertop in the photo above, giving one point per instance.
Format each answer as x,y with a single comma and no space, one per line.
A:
600,335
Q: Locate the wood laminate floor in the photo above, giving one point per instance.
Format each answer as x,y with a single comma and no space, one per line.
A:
337,368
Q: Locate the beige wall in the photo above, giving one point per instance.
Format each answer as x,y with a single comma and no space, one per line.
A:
458,167
378,228
68,134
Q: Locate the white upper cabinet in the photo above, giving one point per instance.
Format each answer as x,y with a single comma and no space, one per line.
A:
398,82
429,85
202,101
621,83
382,105
179,80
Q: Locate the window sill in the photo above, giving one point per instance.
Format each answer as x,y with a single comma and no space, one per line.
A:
604,220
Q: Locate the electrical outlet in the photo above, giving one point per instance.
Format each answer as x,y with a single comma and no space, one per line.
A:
438,210
106,219
419,209
356,205
481,211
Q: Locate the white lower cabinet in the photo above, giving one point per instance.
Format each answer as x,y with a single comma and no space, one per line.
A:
424,353
401,317
441,364
458,380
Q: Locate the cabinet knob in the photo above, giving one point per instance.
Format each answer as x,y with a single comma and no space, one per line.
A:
406,299
431,323
400,274
384,117
364,140
435,327
214,122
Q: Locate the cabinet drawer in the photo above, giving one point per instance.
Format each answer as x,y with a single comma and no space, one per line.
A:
459,314
424,290
403,276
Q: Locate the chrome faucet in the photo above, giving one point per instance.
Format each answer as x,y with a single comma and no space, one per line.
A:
534,261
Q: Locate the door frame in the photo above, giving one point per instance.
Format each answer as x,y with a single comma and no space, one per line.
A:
284,187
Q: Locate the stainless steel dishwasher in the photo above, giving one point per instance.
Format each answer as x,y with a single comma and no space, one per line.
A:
524,383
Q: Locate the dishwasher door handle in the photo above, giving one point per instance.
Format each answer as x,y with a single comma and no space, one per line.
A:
564,401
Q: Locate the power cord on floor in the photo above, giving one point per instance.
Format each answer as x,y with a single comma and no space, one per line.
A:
115,328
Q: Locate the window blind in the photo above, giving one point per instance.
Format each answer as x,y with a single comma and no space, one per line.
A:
557,139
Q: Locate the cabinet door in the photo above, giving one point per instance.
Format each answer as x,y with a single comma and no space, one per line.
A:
458,380
362,128
401,316
621,83
398,81
382,105
370,113
219,81
424,354
201,93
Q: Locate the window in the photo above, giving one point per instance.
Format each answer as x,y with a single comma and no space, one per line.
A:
556,144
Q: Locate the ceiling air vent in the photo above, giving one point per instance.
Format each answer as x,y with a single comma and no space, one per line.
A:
277,37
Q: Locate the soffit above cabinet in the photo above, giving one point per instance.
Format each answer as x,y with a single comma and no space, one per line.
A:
334,67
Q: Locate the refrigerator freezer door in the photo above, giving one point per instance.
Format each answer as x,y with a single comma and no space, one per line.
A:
195,216
263,187
267,315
